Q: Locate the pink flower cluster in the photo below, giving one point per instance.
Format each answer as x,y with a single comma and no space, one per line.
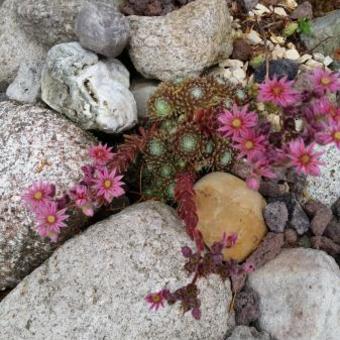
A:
99,186
321,124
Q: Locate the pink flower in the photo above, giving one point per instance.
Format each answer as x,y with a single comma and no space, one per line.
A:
38,194
88,171
238,120
80,194
278,91
249,143
331,135
325,81
156,300
108,185
50,220
253,182
101,154
304,158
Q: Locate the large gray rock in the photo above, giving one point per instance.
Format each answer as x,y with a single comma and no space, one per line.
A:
15,46
35,144
325,187
26,86
299,295
325,37
183,42
248,333
52,22
90,92
93,287
102,29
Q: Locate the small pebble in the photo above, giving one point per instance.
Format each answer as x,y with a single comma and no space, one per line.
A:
291,236
254,38
247,307
280,11
278,52
318,57
299,220
292,54
276,216
328,60
241,50
305,58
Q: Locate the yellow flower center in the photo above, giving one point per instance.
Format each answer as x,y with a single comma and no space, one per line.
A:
156,298
277,90
38,195
249,144
336,135
107,184
51,219
305,159
236,123
325,80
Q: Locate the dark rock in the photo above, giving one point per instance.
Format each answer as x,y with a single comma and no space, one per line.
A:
248,4
280,68
291,236
299,220
297,182
241,169
333,231
272,189
241,50
247,307
304,242
238,281
321,216
276,216
267,250
336,208
325,244
304,10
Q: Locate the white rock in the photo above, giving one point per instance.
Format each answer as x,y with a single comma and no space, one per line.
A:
327,61
239,74
276,39
313,64
318,57
142,90
291,45
260,9
247,333
254,38
292,54
299,295
35,144
278,52
304,58
90,92
26,86
94,286
280,11
290,4
232,63
325,187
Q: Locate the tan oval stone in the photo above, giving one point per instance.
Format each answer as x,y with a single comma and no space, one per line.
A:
226,204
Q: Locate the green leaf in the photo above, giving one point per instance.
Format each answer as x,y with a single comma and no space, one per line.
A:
304,26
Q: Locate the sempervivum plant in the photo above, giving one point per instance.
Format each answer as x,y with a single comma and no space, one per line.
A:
196,126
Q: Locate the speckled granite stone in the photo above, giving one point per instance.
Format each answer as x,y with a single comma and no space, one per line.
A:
35,144
326,187
93,287
183,42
